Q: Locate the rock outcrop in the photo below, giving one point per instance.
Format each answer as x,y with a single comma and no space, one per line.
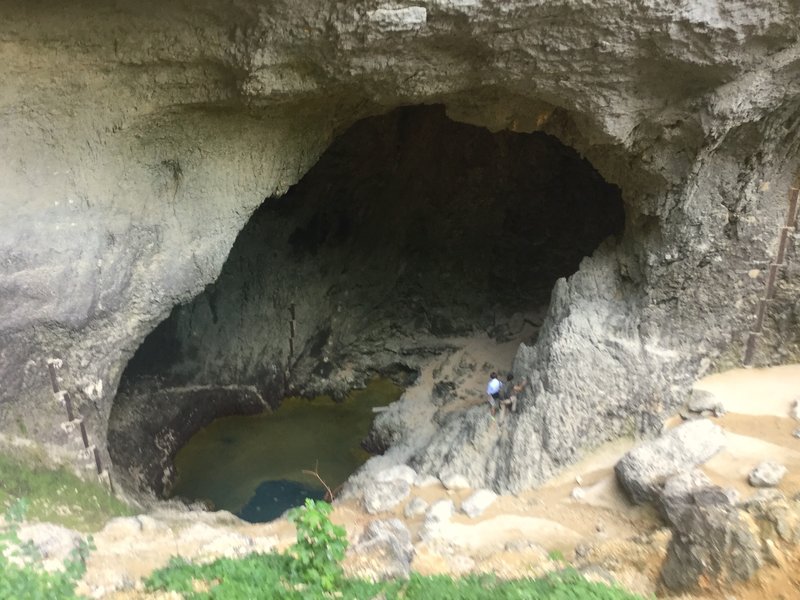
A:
713,541
643,471
140,139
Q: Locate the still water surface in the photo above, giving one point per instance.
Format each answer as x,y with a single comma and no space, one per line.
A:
253,465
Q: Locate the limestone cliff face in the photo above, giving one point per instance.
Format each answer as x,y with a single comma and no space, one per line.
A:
139,139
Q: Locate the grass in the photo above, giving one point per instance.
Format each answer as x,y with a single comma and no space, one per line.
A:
56,495
269,575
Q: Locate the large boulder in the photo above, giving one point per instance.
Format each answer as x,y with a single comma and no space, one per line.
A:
711,541
767,474
643,470
678,490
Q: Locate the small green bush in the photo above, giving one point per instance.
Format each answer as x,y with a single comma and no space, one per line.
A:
320,546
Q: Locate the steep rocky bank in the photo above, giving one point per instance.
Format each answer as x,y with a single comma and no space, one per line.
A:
141,138
582,515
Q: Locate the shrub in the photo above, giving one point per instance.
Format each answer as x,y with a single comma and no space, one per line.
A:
320,546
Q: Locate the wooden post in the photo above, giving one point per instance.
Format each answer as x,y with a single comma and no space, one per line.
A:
68,406
97,462
772,277
84,435
53,379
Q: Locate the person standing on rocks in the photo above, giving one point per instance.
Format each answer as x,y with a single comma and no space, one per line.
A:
510,392
493,390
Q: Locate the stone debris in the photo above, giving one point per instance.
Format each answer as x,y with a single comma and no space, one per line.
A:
384,551
454,482
767,474
477,503
399,19
578,493
705,403
643,470
380,496
416,507
777,517
438,515
795,413
397,473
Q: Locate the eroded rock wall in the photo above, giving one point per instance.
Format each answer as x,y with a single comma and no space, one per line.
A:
139,138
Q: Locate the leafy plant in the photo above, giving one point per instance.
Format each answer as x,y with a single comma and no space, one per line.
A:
556,555
21,578
320,546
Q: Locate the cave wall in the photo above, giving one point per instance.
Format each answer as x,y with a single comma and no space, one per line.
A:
410,232
139,138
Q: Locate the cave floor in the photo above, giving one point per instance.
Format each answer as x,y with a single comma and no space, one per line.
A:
517,535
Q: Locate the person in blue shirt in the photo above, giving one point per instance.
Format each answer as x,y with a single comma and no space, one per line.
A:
493,390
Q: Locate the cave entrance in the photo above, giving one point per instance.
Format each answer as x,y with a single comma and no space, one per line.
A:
411,232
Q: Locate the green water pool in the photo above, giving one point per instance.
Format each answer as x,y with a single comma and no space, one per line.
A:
227,461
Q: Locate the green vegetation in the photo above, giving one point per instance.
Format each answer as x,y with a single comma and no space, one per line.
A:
56,495
21,578
271,576
320,546
311,571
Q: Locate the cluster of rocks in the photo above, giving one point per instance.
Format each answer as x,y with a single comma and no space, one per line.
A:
715,535
384,550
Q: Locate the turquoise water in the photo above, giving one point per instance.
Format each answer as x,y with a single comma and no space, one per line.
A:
253,465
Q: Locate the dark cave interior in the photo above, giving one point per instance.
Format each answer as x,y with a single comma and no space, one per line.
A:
411,229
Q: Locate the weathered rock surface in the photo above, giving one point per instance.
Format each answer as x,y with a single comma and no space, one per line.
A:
678,492
766,474
384,551
711,540
701,402
125,185
454,481
439,514
382,496
397,473
777,517
643,470
477,503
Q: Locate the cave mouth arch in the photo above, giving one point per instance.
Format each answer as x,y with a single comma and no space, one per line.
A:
411,230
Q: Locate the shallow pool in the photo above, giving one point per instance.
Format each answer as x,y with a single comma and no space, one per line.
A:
253,465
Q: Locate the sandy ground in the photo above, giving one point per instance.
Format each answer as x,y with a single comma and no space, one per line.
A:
519,534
